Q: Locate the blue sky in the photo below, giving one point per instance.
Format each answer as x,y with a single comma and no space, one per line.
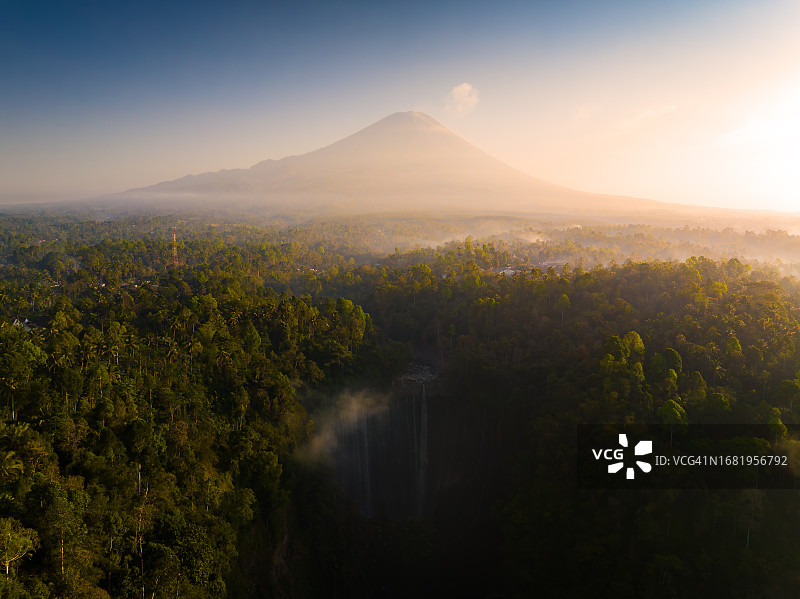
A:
689,102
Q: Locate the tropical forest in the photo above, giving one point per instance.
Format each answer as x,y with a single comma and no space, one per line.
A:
337,409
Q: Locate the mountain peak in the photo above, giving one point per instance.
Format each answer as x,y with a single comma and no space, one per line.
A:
401,135
409,118
399,122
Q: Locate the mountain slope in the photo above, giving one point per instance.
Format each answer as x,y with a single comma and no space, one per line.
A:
406,161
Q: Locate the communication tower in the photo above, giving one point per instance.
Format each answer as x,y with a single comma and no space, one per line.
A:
174,247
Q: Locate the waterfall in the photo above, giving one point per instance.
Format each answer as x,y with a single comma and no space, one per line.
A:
351,459
422,460
367,483
381,456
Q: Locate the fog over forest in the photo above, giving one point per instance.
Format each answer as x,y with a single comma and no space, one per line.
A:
399,300
376,404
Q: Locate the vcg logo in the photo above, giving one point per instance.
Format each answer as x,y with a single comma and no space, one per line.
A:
617,456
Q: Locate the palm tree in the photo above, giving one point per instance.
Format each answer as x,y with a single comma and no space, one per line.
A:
10,466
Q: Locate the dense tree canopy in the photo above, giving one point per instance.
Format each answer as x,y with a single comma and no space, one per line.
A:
153,416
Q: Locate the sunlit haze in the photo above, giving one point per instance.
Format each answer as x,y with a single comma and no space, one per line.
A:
689,102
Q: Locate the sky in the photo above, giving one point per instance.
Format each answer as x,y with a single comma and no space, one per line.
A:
688,101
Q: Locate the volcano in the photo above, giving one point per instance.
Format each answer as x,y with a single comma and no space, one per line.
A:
404,162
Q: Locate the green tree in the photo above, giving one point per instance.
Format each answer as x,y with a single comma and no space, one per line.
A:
673,416
562,305
776,425
16,542
635,346
11,466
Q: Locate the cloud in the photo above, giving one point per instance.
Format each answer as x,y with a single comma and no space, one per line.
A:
646,115
462,99
760,131
584,113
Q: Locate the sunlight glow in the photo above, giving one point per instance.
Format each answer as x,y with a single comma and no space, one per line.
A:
767,147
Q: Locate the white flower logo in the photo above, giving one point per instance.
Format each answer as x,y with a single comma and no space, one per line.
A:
642,448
